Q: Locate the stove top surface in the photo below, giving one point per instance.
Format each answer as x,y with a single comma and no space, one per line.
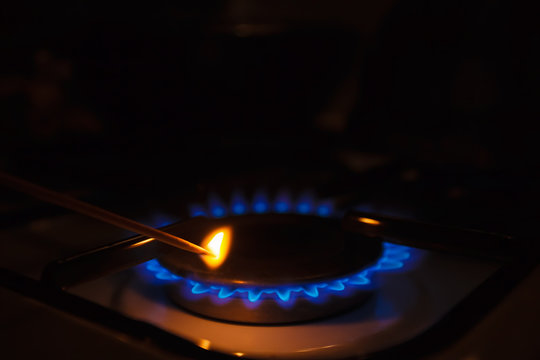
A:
405,304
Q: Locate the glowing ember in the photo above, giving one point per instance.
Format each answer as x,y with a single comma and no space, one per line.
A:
218,242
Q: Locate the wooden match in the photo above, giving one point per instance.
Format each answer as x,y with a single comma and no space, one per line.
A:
98,213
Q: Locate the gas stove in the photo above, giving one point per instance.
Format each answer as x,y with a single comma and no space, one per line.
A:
380,155
352,294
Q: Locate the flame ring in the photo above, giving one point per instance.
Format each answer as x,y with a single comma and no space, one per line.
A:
393,256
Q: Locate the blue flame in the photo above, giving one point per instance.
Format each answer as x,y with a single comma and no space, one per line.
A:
159,220
217,206
324,209
305,204
282,203
238,203
261,203
197,210
393,256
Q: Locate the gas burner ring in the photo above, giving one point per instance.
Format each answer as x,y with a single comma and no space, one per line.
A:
392,258
270,301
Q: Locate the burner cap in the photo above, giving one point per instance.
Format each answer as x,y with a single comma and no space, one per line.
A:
270,253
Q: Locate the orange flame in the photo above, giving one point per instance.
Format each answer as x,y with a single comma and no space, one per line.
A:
218,242
369,221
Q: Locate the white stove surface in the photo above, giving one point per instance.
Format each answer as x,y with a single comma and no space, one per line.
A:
406,303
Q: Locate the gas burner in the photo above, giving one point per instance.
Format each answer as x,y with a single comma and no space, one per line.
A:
288,262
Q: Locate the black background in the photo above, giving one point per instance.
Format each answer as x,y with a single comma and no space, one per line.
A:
128,105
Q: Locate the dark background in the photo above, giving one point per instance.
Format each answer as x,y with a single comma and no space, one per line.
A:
429,106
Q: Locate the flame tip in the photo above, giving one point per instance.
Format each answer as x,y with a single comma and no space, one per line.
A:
217,243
